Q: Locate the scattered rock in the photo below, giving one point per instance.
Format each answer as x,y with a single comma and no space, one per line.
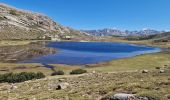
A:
62,86
12,88
123,96
157,88
168,96
102,92
161,71
34,99
145,71
93,72
143,98
61,80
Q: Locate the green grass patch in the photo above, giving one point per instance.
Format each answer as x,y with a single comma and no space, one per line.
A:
78,71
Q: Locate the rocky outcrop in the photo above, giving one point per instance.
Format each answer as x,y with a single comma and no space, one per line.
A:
123,96
21,24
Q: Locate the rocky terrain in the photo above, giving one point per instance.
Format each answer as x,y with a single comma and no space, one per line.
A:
140,85
21,24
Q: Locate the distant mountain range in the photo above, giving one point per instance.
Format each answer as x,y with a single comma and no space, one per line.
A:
117,32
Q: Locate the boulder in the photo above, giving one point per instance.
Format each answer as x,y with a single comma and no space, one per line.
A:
161,71
63,85
123,96
143,98
168,96
58,85
145,71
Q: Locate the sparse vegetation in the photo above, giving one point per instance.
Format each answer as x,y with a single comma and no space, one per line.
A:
78,71
60,72
2,18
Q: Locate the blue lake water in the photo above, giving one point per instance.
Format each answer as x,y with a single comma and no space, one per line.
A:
79,53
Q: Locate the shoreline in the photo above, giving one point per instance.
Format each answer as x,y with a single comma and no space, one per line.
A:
145,58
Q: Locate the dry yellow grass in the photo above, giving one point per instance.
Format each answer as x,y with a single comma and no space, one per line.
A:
92,86
11,43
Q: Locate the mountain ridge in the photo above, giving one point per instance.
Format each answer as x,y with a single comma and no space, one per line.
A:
117,32
23,24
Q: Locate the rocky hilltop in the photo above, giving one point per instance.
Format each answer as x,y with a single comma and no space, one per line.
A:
21,24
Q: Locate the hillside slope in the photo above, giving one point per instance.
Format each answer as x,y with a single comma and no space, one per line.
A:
20,24
163,37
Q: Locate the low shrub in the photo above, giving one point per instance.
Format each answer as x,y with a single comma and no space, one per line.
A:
13,12
157,68
60,72
20,77
2,18
78,71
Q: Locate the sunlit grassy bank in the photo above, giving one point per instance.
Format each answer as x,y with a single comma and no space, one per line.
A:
146,61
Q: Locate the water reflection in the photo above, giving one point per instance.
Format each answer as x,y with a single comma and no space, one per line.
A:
23,52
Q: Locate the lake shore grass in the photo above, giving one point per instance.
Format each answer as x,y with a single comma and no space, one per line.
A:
141,62
13,43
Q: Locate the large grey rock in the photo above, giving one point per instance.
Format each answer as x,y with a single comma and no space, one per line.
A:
63,85
123,96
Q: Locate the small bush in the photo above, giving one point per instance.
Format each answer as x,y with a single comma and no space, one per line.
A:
13,12
157,68
60,72
78,71
20,77
40,75
2,18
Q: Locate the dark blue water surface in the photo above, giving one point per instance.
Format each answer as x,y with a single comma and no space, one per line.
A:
78,53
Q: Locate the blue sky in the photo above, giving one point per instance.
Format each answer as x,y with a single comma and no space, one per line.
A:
97,14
